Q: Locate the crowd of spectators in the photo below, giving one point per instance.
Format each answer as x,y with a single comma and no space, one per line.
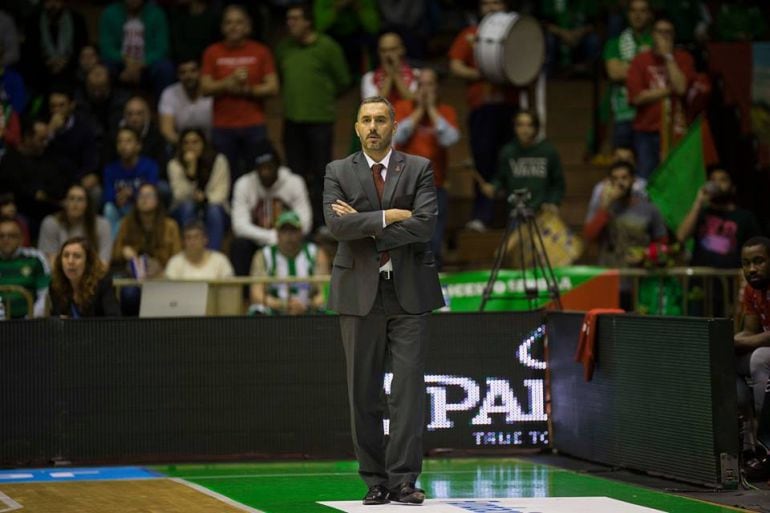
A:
147,143
142,149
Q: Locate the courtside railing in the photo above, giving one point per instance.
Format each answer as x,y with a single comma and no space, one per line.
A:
701,291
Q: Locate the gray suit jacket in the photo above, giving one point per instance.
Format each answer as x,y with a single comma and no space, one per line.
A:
355,273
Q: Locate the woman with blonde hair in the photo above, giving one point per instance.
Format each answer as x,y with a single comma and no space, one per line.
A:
80,284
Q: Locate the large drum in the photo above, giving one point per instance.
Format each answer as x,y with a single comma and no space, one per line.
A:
562,246
510,48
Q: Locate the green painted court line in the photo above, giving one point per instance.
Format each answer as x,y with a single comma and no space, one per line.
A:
295,487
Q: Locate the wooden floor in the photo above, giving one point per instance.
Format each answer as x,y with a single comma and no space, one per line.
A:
138,496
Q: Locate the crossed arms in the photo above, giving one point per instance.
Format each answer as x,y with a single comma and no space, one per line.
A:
391,229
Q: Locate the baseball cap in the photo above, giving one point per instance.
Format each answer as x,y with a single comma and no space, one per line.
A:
289,217
265,153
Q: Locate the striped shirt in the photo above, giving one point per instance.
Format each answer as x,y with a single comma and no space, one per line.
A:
27,268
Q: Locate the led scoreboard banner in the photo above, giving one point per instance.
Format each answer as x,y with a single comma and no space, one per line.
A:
486,381
128,390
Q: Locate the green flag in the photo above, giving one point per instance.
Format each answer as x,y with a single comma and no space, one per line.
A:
675,184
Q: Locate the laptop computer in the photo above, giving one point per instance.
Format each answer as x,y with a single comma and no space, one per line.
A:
173,299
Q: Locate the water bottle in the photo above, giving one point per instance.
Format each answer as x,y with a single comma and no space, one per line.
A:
2,309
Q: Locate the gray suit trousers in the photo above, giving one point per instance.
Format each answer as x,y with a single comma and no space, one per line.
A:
387,337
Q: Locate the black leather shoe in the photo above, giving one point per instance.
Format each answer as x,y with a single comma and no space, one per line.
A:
406,493
377,494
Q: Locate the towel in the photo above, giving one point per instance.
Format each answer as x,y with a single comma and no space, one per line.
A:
586,353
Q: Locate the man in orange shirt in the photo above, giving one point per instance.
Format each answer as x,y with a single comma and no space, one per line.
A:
239,73
427,128
491,108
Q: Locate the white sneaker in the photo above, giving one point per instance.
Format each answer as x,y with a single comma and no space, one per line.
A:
476,225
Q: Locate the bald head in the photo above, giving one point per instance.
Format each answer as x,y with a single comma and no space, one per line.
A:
136,113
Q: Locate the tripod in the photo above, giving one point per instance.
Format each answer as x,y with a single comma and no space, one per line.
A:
522,219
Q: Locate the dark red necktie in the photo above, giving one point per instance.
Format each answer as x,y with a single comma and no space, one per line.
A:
379,184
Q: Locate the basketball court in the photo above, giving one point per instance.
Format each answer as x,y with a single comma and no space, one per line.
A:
452,485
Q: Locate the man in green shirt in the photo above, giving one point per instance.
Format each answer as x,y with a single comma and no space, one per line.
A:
24,267
529,163
313,74
618,54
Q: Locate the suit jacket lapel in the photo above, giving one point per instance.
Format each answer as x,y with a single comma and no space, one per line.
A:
395,169
364,173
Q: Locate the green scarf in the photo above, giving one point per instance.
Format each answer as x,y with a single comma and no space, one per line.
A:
62,49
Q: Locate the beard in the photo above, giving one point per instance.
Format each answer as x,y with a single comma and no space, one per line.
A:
759,283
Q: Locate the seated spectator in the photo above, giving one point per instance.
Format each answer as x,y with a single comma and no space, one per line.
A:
526,163
123,177
239,73
624,225
194,25
101,104
427,127
570,34
146,241
10,126
620,154
88,59
618,53
289,257
183,106
72,141
394,79
200,185
80,284
25,267
53,37
8,210
9,40
32,174
77,219
259,197
657,81
133,39
720,227
195,262
138,117
752,350
12,89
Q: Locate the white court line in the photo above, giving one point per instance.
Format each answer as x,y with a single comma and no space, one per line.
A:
325,474
11,504
215,495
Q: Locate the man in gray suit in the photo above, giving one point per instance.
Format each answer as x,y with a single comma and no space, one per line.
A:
381,206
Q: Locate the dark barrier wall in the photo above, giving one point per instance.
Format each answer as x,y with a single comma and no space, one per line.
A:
183,389
662,398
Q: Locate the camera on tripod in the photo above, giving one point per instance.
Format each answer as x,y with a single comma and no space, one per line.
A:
518,200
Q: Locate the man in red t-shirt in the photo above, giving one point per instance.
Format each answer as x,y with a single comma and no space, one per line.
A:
239,73
427,127
491,109
657,81
752,344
